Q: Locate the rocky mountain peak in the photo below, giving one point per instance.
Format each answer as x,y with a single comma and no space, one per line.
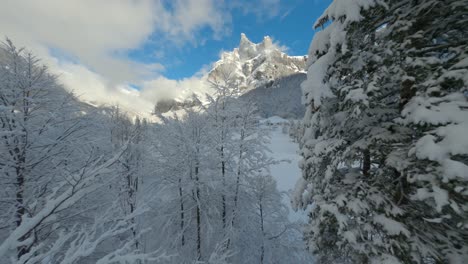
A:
257,64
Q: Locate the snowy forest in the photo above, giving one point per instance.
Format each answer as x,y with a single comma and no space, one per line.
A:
374,120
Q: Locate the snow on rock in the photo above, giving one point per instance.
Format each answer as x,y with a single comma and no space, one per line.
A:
256,64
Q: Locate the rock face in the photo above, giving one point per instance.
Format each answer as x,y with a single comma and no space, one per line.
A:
256,65
263,73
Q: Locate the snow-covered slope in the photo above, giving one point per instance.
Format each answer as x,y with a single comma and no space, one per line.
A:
287,171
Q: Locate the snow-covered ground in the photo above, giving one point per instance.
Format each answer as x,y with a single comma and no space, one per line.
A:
287,172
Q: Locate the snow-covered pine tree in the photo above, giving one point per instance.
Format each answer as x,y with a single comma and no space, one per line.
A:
430,40
362,73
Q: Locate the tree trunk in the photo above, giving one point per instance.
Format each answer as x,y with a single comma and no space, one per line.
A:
228,243
132,188
199,251
199,255
239,173
223,165
182,240
223,196
236,197
262,248
236,193
20,157
20,209
366,165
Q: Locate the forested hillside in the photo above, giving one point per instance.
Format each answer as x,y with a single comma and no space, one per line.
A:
371,127
86,184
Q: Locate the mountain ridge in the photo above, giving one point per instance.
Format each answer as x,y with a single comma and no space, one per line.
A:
257,64
263,72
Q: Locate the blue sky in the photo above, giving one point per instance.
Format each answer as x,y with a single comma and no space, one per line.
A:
291,26
136,52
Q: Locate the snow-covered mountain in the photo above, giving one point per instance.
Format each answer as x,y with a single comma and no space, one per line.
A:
264,74
259,64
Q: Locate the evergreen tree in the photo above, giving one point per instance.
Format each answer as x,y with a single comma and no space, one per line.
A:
373,74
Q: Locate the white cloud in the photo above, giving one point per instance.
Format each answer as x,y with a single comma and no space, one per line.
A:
86,29
93,88
97,34
192,15
163,88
